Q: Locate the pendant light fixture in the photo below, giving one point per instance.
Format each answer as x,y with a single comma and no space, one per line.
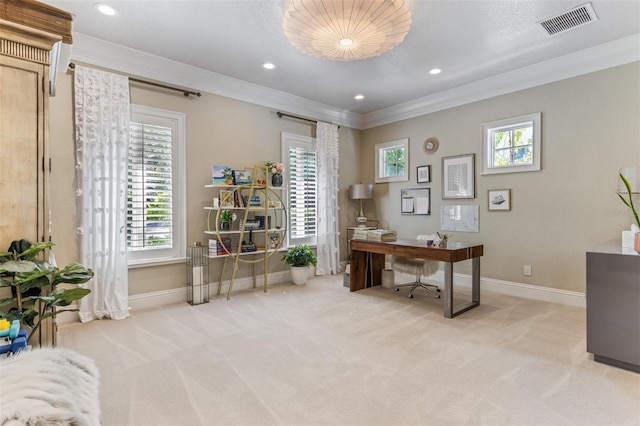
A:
346,30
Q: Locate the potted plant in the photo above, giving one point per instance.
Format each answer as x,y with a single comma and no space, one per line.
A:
629,203
299,258
226,217
35,295
276,169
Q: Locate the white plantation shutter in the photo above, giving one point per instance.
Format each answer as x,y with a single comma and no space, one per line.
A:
149,201
156,204
301,189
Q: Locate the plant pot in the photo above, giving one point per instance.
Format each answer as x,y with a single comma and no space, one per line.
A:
636,243
225,226
299,274
276,180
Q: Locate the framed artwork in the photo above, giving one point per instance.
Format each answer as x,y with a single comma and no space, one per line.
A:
458,176
241,177
499,199
423,174
460,218
415,201
226,198
222,175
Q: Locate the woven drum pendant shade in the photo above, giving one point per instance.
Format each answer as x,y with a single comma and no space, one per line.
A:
372,26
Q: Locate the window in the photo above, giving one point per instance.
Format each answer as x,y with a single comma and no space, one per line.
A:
156,230
301,193
511,145
392,161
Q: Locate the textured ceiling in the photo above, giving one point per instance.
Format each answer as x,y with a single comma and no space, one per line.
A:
468,40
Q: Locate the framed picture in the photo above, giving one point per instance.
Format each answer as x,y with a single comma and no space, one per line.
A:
499,199
226,198
415,201
458,176
241,177
460,218
222,175
423,174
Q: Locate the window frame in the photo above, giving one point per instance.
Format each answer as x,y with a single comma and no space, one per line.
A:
381,148
488,149
177,253
292,140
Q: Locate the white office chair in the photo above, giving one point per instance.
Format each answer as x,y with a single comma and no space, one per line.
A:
419,268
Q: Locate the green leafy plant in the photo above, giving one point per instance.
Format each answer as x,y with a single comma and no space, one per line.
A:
226,216
629,203
34,284
301,255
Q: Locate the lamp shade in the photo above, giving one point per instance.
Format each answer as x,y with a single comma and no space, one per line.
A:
632,174
361,191
346,30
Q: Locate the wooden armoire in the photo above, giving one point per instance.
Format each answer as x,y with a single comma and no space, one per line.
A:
28,32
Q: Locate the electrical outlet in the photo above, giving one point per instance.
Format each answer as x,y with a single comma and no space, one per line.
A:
527,270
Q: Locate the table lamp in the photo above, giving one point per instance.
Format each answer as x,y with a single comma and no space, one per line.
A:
361,191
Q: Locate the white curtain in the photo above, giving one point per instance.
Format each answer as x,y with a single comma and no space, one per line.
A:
102,114
328,230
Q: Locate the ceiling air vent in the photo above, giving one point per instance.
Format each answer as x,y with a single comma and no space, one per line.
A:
573,18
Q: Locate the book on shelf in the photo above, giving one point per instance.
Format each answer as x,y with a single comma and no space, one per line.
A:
359,234
255,201
382,235
217,248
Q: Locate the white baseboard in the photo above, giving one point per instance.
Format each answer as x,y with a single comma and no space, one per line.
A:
179,295
526,291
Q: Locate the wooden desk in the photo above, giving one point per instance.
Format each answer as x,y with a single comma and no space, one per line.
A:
367,263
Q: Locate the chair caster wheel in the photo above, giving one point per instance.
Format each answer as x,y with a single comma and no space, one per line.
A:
438,296
396,289
411,296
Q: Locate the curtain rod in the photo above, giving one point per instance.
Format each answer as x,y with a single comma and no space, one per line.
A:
184,91
297,117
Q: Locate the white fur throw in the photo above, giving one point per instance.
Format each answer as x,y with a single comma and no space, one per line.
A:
49,386
407,265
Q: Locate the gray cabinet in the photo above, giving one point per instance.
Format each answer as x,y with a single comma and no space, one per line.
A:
613,306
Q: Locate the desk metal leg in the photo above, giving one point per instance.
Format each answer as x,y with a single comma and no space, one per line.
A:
475,284
449,311
448,289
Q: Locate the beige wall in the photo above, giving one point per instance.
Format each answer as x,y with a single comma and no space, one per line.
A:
590,128
219,131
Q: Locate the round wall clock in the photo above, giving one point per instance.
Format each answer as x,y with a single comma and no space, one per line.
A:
431,145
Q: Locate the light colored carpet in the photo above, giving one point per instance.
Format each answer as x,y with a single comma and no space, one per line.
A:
319,355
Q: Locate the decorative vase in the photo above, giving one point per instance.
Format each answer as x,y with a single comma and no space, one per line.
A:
636,243
299,274
276,179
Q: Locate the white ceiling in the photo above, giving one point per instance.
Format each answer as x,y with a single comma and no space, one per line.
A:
470,41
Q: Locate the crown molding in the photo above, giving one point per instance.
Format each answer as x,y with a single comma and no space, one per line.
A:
603,56
118,58
133,62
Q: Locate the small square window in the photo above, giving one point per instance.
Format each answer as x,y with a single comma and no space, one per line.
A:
511,145
392,161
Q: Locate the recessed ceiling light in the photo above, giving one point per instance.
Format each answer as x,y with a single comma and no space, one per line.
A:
268,66
358,97
435,71
105,9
